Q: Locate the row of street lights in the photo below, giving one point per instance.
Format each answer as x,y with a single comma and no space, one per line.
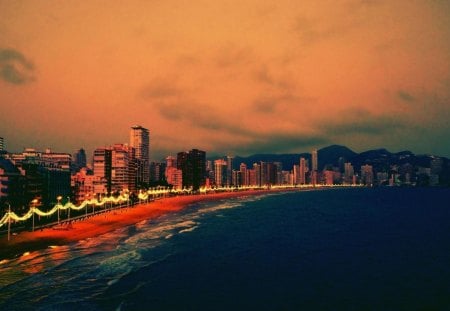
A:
34,204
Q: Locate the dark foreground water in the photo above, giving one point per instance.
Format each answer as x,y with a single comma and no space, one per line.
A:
341,249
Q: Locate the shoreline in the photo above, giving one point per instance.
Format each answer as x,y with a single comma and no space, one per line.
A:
99,224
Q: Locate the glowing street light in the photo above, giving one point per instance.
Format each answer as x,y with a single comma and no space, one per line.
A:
59,205
128,196
106,201
68,215
34,202
87,199
9,221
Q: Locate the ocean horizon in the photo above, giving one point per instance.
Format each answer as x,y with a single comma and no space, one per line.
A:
333,249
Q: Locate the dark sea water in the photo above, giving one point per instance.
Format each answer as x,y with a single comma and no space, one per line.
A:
336,249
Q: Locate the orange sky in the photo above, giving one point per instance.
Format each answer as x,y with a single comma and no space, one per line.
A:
228,77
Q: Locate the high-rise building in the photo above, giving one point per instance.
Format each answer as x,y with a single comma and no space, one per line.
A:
2,144
341,164
436,165
171,161
269,173
257,175
252,177
102,169
314,166
296,174
83,185
140,140
229,171
329,177
286,178
314,160
367,175
114,169
193,165
302,173
237,178
56,159
80,160
47,174
157,173
11,182
278,167
174,176
348,173
220,172
263,173
244,174
122,173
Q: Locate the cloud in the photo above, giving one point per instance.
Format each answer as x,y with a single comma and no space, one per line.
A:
266,77
280,143
314,30
265,105
271,104
178,103
199,115
405,96
334,21
278,91
362,122
160,89
15,68
232,55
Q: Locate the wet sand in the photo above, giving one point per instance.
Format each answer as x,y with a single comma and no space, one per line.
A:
102,223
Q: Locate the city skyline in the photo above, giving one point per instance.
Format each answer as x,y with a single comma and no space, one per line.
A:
273,77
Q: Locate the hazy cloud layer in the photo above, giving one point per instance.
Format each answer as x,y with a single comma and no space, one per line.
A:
262,76
14,67
405,96
281,143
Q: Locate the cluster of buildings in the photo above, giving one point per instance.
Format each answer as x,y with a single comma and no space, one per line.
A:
126,167
48,175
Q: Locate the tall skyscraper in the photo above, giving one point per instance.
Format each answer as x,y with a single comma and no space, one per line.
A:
329,177
174,176
157,173
278,167
2,144
11,181
367,175
122,173
245,177
140,140
171,161
314,166
296,174
102,170
80,160
302,173
229,170
258,177
220,172
314,160
348,173
193,165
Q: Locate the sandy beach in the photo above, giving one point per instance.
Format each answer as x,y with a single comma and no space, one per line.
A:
105,222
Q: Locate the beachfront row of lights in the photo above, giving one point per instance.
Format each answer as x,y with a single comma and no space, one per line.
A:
68,206
124,197
92,202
